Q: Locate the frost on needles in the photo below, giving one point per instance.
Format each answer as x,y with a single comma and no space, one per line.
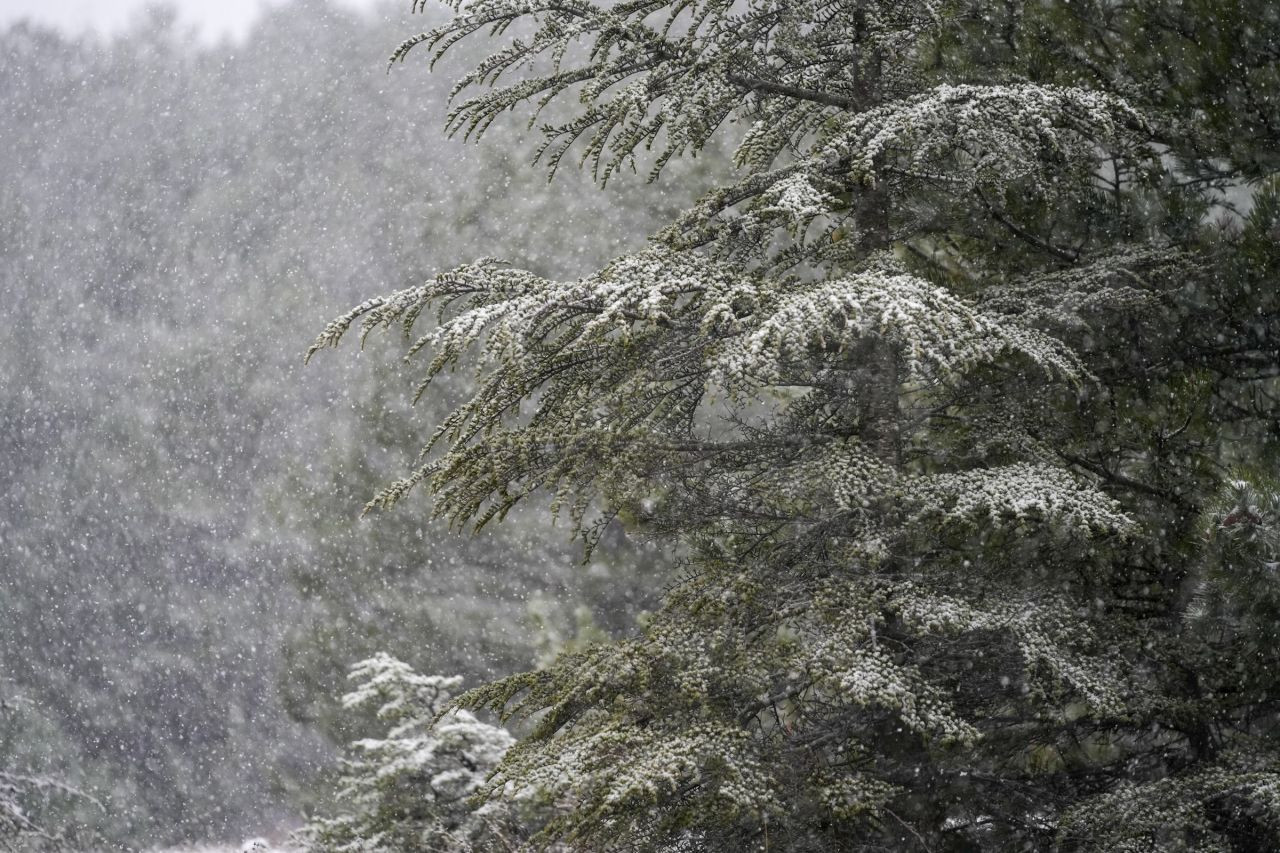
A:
933,398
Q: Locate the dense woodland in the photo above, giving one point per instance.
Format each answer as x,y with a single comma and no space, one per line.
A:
912,487
184,577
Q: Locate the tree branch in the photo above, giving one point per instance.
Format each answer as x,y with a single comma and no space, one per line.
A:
755,84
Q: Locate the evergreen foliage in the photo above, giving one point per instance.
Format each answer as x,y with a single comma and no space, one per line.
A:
958,402
409,791
171,209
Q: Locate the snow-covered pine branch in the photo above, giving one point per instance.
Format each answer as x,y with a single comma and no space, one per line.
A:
411,788
925,395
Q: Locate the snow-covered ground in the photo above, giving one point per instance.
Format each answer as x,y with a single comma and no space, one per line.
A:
249,845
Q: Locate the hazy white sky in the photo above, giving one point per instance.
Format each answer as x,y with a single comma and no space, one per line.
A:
214,18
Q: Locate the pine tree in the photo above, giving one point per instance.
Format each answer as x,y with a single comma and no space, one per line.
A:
958,404
409,791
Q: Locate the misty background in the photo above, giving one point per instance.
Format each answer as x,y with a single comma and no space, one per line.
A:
184,579
211,21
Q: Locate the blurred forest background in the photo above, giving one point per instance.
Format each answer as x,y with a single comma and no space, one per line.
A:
183,576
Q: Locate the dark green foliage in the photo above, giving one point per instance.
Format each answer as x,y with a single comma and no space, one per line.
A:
962,402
